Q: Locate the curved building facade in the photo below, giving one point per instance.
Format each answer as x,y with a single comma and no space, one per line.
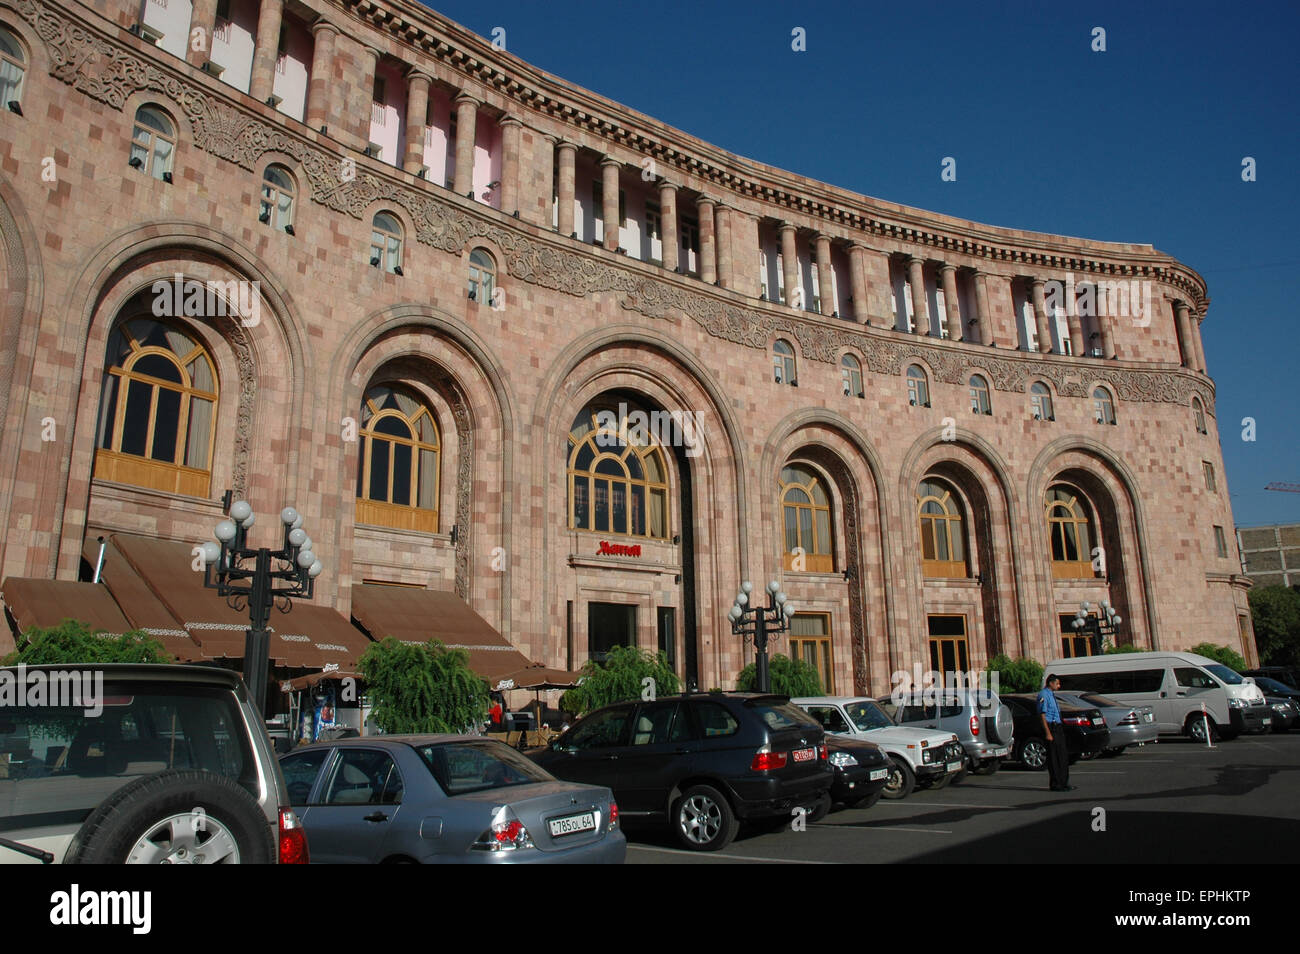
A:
495,334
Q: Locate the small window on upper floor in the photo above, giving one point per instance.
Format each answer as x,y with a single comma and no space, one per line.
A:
1198,416
979,395
1208,470
153,143
13,68
1220,543
851,376
482,276
1040,402
783,363
276,209
1103,406
918,387
386,243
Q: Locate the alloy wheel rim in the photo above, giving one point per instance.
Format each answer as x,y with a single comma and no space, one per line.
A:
185,839
1035,755
700,819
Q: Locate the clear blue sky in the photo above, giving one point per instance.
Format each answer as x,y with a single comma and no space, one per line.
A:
1141,143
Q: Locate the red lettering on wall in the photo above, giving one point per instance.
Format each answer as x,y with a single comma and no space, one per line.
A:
618,549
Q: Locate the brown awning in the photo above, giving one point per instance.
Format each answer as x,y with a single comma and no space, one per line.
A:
417,615
311,679
40,604
316,636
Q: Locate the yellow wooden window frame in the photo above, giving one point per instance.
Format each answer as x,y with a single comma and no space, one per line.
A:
607,443
386,513
945,526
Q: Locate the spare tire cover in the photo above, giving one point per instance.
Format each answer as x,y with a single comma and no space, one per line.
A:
1002,726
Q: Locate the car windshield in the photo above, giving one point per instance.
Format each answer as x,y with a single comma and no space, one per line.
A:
867,716
1225,675
1272,685
474,766
784,715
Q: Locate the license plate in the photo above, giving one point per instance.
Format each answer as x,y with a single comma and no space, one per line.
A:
1148,717
954,767
804,755
572,824
998,753
1098,721
1268,720
878,774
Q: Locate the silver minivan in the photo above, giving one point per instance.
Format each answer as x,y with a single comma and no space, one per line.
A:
1187,691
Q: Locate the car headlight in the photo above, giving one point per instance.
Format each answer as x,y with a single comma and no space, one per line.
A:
1281,706
929,755
1235,703
842,759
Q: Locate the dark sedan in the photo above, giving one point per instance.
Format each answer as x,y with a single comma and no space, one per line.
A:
861,771
1085,731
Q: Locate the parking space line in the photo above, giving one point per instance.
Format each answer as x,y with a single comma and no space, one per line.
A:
704,855
908,801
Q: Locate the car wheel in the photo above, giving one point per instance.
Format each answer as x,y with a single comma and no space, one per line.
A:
1033,754
901,781
175,817
866,802
703,819
988,768
1195,728
819,809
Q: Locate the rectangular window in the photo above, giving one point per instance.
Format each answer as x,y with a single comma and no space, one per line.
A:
1073,643
609,625
668,634
653,232
948,649
1220,543
1208,469
810,640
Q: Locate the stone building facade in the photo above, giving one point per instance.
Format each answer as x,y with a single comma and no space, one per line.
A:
1271,555
419,325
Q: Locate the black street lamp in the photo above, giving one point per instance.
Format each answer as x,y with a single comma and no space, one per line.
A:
256,585
1105,623
758,622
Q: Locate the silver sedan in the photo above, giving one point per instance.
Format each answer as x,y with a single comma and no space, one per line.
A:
445,798
1128,725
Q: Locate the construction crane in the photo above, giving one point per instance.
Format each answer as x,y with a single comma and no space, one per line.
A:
1284,487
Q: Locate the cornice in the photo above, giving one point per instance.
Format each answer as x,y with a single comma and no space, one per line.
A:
238,132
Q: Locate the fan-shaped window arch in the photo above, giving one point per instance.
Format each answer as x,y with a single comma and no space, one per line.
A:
276,207
783,362
1103,406
157,409
617,474
13,69
851,375
398,463
918,386
979,395
153,142
482,276
806,519
1198,416
1070,528
386,242
943,538
1040,402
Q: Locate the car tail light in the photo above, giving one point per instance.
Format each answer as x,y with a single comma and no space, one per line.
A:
507,834
293,839
975,725
1076,720
613,816
821,752
1130,719
765,760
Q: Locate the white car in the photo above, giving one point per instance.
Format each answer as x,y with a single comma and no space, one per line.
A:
926,757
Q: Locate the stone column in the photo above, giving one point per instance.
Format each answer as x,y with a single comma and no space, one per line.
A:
825,280
609,169
266,49
726,253
950,303
203,16
321,80
466,130
1107,335
1075,323
708,250
365,94
1183,316
1040,315
858,279
511,130
417,115
983,318
916,278
564,191
668,223
1196,345
790,264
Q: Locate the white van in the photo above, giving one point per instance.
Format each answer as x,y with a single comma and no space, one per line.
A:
1176,685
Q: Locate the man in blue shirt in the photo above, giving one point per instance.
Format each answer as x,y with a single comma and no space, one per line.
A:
1058,759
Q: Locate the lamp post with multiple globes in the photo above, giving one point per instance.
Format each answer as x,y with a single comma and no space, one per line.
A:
759,622
1106,622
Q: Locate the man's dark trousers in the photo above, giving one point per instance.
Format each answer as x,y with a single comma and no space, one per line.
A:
1058,758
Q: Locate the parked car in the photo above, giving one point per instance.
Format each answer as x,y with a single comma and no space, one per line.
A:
1287,675
1286,712
1272,687
446,799
917,756
976,716
862,770
150,765
1085,730
1177,685
1128,725
701,763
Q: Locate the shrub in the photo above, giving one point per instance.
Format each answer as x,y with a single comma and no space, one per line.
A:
620,678
1111,649
73,642
1016,675
1220,654
423,688
789,677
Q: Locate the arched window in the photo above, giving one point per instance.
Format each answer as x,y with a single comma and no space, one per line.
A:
1103,406
13,67
1040,402
1069,526
918,387
397,468
482,276
157,409
386,243
1198,416
806,516
618,481
851,376
276,208
153,142
979,395
943,542
783,362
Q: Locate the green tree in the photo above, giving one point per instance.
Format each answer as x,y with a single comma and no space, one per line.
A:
422,688
1111,649
1017,675
73,642
619,678
1275,614
789,677
1220,654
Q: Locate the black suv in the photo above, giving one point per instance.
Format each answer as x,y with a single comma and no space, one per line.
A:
702,762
